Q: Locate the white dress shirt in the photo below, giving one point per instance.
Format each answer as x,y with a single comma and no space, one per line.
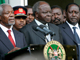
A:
39,23
77,28
5,31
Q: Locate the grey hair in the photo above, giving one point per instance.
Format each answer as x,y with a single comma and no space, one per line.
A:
1,8
36,7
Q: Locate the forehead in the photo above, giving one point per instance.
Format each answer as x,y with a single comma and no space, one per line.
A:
44,6
56,10
7,8
73,7
29,10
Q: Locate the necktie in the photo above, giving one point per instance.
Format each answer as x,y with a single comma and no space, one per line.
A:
77,39
10,38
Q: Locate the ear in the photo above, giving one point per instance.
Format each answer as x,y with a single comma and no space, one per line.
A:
36,14
0,17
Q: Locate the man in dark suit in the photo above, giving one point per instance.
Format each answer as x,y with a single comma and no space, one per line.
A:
10,39
42,13
72,14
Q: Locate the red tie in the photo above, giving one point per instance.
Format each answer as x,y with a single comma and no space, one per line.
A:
10,38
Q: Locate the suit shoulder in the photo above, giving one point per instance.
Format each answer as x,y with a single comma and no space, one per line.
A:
53,25
61,25
18,32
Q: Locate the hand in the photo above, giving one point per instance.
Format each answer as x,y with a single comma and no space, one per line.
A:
14,49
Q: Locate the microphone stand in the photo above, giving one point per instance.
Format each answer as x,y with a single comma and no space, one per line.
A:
52,36
46,40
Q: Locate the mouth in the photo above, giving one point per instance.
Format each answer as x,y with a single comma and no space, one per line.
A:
11,20
73,19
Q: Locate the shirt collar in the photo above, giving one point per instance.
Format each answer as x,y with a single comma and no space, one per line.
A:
4,28
39,23
77,25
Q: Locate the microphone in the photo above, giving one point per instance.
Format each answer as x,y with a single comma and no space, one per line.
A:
37,28
49,31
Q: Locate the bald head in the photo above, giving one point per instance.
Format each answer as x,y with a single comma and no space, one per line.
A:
37,5
2,7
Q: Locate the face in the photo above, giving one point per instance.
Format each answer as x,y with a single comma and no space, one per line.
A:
73,14
57,16
7,17
20,21
64,15
44,14
30,16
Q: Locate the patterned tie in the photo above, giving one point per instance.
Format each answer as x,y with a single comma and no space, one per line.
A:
78,40
10,38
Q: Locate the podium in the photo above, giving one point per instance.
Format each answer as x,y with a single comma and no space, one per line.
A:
36,53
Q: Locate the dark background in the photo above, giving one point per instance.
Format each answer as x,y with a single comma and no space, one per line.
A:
61,3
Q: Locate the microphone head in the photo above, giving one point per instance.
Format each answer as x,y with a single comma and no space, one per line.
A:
42,26
35,27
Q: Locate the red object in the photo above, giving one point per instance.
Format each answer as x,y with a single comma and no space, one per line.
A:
10,38
19,11
51,48
58,48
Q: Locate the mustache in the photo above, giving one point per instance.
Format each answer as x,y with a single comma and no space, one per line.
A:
56,19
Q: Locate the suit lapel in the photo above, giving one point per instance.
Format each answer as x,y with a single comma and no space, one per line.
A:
68,31
52,28
17,38
38,33
5,40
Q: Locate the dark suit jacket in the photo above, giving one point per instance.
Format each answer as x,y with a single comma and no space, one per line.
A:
6,45
36,37
67,34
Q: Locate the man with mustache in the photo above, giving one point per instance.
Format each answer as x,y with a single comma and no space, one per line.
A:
20,13
57,15
71,29
10,39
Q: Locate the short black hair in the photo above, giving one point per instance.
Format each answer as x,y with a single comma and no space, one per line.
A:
56,6
71,4
28,6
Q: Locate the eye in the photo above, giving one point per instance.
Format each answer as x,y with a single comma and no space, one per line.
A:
44,12
13,12
7,13
58,14
76,12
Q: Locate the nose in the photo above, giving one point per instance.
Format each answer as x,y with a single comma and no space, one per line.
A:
73,14
55,16
49,14
21,19
30,16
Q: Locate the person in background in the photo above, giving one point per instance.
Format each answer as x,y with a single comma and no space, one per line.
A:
79,17
42,13
30,16
64,16
57,15
20,13
10,39
71,29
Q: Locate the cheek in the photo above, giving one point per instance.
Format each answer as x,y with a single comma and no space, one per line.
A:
52,17
17,22
24,21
